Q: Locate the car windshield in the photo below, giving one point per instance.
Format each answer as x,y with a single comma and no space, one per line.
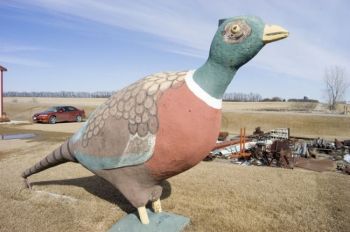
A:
52,109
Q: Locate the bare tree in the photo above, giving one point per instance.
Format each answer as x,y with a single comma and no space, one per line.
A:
336,85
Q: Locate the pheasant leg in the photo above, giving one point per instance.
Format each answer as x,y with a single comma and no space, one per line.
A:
157,207
143,215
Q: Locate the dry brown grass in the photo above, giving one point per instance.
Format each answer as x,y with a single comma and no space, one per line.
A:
216,196
301,124
304,119
268,106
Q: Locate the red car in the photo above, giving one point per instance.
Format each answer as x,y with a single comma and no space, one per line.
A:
60,114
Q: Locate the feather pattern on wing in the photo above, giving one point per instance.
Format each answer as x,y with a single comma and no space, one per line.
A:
129,115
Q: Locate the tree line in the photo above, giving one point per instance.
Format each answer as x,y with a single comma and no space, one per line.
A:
335,79
63,94
242,97
233,97
254,97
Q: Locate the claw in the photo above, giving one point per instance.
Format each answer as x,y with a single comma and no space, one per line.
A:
143,215
157,207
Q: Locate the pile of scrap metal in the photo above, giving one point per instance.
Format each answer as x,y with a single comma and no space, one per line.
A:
271,149
277,148
278,154
344,165
336,151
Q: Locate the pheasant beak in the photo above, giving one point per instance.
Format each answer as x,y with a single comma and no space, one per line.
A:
273,33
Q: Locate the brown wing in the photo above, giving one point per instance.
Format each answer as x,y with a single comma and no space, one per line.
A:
126,124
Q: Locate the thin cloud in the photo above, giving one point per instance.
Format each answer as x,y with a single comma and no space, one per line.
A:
11,53
190,26
9,48
302,59
23,61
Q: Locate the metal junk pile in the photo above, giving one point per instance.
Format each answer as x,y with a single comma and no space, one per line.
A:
278,149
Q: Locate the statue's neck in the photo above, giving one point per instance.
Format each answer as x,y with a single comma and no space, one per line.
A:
214,78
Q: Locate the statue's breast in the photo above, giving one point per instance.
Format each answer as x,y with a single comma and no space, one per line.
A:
188,130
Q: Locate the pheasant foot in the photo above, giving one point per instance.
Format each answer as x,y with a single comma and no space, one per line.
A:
157,207
143,215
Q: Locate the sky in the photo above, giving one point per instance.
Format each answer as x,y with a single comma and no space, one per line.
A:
105,45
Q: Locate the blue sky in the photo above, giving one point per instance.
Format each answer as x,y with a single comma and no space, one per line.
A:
98,45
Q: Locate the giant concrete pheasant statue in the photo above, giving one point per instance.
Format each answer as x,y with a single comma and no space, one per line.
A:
164,123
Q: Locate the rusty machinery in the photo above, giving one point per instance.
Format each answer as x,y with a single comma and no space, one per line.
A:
278,154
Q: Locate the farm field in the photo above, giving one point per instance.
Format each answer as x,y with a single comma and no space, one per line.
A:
304,119
216,196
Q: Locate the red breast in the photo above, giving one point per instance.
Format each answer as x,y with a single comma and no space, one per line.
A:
188,130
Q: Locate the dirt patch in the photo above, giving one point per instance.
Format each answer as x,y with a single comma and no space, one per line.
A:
65,127
16,146
41,135
316,165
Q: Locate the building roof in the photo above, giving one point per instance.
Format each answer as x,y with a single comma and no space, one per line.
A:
2,68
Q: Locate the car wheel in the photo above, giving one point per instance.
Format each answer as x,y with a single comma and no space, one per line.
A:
78,118
52,120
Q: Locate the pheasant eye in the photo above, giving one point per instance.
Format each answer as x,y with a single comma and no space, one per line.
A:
236,31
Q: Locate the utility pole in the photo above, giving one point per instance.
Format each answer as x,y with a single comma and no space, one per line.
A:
2,116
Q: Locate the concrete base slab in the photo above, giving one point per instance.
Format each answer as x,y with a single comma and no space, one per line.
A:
158,222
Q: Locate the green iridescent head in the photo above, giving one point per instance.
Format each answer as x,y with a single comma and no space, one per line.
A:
236,41
239,39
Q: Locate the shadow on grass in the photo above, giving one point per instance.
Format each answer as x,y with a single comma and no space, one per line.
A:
104,190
